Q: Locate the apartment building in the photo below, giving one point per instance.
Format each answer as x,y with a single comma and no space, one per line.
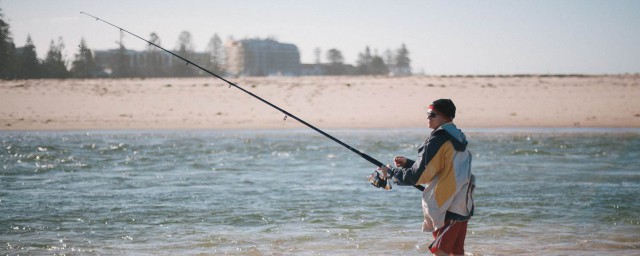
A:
262,57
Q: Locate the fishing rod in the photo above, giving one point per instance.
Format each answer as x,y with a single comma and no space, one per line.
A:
378,181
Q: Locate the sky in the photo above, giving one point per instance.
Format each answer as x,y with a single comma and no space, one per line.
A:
443,37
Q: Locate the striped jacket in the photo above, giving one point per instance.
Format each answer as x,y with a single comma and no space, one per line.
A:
444,166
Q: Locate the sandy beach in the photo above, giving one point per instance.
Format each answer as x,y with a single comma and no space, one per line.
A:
326,102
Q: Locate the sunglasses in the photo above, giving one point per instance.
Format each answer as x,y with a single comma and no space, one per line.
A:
432,114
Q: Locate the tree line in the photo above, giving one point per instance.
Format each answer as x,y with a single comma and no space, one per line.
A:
394,63
153,62
23,62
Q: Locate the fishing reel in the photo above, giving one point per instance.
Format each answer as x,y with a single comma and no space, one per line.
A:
379,181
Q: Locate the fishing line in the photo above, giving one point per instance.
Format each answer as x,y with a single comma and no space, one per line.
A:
231,84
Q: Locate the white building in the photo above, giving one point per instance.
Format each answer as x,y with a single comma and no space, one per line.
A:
258,57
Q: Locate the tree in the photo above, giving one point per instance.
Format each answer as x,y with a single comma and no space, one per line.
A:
184,49
402,62
122,66
28,64
334,56
371,64
378,67
317,53
216,54
388,57
83,65
7,51
153,65
364,62
54,65
336,62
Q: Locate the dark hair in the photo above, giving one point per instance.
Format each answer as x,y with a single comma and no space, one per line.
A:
446,107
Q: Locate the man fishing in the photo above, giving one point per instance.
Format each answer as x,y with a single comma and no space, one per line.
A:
444,165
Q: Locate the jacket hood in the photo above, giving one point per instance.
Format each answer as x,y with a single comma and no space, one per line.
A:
458,138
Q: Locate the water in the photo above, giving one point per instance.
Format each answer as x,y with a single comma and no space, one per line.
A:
540,192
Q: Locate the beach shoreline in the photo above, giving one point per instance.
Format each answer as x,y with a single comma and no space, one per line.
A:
575,101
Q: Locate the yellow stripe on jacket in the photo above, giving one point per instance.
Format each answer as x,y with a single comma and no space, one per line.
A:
442,165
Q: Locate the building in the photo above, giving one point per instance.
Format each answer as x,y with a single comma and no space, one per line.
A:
155,63
262,57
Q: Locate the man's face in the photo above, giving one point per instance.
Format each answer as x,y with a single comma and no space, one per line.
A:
435,119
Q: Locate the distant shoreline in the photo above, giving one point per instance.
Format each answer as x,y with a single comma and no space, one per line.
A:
351,102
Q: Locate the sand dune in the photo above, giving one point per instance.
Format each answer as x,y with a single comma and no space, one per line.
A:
327,102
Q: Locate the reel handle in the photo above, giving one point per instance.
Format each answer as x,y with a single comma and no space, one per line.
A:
379,182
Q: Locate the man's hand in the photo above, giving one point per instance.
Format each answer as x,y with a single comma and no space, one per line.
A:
383,171
400,161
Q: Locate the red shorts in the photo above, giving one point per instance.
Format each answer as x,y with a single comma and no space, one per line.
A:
450,238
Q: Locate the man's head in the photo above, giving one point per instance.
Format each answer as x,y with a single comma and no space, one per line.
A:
440,111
